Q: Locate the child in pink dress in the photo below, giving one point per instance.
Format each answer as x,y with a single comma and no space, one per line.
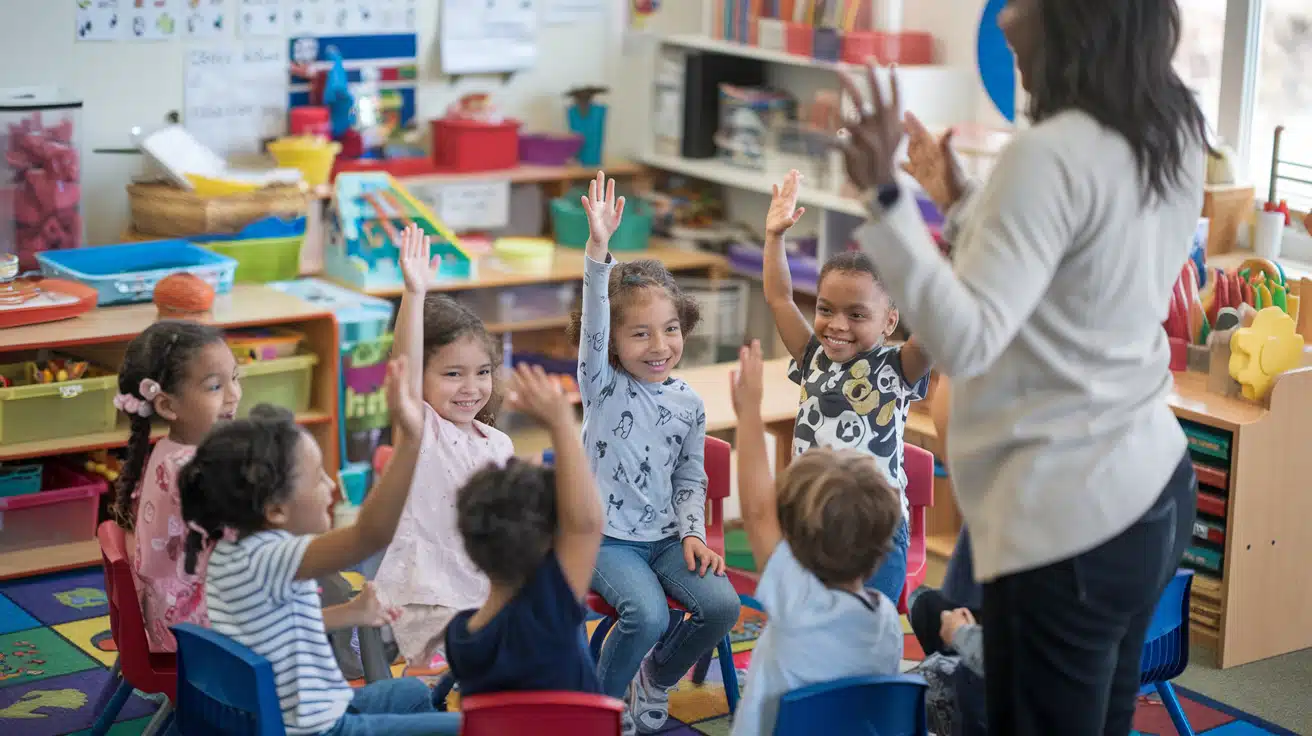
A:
185,374
426,571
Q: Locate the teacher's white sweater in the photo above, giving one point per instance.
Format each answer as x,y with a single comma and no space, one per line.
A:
1048,321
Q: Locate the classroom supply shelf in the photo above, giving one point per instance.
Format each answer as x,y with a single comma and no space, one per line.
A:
101,336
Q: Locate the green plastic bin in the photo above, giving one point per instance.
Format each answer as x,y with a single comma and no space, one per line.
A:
569,223
284,382
31,412
262,260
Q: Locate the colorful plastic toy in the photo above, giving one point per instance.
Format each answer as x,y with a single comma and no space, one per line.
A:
1263,351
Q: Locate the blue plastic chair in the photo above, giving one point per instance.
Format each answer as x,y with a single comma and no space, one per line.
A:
223,687
891,705
1166,648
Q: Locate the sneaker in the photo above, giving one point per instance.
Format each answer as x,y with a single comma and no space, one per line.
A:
649,704
627,726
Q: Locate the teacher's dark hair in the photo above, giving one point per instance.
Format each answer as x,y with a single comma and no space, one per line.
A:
1112,60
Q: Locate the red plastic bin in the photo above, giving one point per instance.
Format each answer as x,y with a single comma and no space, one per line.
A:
64,511
906,48
470,145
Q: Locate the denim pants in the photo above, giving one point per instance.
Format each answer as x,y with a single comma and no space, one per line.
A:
959,584
892,572
400,707
635,578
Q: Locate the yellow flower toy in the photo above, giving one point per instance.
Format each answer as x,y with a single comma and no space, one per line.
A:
1263,351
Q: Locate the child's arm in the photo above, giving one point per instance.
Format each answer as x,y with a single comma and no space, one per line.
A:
604,214
915,361
578,508
793,328
756,492
338,549
365,609
415,260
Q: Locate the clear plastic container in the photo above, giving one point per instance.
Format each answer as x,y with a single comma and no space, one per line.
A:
40,172
522,303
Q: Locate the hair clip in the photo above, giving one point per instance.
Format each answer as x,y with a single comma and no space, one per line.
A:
129,404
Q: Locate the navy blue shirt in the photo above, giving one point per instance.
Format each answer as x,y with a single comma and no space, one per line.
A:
535,643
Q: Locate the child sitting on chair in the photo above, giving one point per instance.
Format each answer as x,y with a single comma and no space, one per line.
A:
817,535
534,532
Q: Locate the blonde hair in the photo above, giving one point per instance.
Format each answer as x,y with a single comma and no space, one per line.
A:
838,513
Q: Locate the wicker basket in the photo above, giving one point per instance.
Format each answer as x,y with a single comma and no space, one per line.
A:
166,211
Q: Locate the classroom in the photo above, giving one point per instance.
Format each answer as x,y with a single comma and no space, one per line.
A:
325,326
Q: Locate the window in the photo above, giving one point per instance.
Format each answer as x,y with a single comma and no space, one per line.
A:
1283,96
1198,58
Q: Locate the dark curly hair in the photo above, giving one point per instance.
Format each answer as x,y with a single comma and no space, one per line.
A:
161,353
446,321
507,518
239,469
849,261
627,281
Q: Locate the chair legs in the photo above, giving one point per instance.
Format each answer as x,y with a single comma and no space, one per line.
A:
159,723
442,689
111,685
1173,709
724,651
111,711
373,654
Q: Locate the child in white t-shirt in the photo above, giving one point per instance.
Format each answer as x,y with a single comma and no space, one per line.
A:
818,535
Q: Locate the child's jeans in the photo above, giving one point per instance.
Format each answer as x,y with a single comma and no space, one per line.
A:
400,707
634,578
892,573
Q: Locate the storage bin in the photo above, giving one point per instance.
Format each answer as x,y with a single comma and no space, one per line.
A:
362,411
263,343
770,34
64,511
20,480
799,38
360,317
312,155
166,211
284,382
30,412
41,196
548,149
310,120
906,48
127,273
354,480
723,329
470,145
263,259
522,303
827,44
569,223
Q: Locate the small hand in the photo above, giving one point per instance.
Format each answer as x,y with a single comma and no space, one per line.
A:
934,163
784,212
604,213
745,387
402,400
533,392
950,621
872,140
701,558
416,259
368,610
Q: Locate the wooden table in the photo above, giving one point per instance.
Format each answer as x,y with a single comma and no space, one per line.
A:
779,403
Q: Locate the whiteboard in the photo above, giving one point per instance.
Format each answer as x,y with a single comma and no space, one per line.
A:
488,36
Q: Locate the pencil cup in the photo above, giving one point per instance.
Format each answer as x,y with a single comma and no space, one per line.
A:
827,45
770,34
1267,234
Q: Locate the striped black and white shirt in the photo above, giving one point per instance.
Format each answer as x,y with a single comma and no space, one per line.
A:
255,598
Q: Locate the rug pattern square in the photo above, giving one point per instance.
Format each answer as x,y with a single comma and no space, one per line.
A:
63,704
58,599
38,654
92,637
13,618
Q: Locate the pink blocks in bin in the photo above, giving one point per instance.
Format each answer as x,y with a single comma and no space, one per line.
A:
43,161
907,47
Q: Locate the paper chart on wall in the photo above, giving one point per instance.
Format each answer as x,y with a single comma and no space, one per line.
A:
235,95
154,20
572,12
207,18
488,36
260,18
100,20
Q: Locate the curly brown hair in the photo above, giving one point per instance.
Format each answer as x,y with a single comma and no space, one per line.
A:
629,281
838,513
446,321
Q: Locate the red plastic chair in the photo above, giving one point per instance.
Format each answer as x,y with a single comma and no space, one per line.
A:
140,668
919,466
382,454
541,714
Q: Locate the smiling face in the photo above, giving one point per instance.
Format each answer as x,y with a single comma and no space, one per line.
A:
307,509
207,392
852,314
458,380
649,337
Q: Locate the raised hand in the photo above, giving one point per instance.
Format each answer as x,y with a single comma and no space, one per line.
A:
872,139
746,384
416,259
533,392
604,214
934,163
784,212
368,610
402,397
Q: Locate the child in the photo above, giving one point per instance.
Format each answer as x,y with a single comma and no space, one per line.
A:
426,571
258,487
535,532
953,644
832,520
183,373
856,391
645,432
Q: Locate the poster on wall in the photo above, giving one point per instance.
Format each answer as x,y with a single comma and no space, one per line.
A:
235,95
156,20
99,20
385,62
261,18
207,18
488,36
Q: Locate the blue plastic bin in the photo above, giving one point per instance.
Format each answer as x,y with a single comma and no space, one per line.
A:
360,317
127,273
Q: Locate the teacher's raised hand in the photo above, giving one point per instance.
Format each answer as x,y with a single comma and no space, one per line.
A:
873,137
934,164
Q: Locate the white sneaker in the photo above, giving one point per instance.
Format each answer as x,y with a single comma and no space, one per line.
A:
649,704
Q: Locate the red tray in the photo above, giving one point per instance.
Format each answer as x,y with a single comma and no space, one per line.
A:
40,310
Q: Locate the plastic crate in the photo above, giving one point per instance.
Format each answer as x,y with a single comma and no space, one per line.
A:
569,223
360,317
471,145
20,480
522,303
127,274
284,382
30,412
263,343
721,332
262,260
64,511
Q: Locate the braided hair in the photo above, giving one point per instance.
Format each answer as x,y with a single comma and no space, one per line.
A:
628,281
239,469
507,519
162,353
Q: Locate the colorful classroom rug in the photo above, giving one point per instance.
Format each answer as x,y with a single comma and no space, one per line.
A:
55,655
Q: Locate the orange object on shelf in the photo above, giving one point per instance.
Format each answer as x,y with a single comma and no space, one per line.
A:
183,294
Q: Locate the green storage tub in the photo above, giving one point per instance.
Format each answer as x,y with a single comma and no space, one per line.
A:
569,223
31,412
262,260
284,382
1207,441
737,551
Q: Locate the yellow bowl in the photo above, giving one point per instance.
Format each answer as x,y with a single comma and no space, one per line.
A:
313,156
525,255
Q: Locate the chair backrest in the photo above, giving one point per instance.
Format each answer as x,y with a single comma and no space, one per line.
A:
541,714
919,466
125,621
223,687
719,461
382,454
1166,647
892,705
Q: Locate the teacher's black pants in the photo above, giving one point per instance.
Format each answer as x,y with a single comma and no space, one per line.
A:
1062,642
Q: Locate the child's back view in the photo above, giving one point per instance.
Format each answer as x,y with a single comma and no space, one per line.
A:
817,541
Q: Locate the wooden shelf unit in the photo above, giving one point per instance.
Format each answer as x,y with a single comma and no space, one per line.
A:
107,331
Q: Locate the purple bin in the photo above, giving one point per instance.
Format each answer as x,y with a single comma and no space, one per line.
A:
549,149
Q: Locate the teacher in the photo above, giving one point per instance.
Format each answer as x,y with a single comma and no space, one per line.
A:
1069,467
